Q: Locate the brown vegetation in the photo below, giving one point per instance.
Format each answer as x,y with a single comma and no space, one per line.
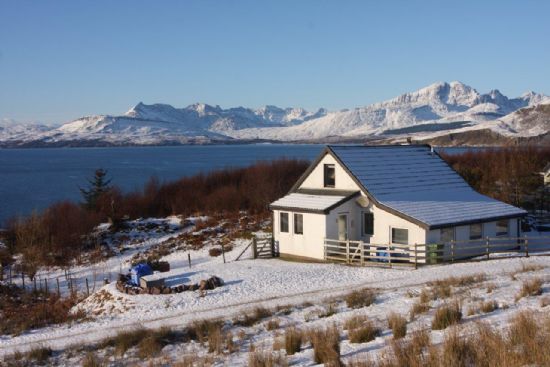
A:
326,346
530,287
361,298
447,315
293,340
508,174
398,325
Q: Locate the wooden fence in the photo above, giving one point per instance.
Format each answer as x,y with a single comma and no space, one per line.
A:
414,255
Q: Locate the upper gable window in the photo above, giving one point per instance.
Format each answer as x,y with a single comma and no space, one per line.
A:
329,175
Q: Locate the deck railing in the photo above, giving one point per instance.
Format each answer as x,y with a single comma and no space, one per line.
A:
363,253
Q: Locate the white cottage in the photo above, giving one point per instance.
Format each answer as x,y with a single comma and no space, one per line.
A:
384,195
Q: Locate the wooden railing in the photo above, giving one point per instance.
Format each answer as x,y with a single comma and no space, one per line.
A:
362,253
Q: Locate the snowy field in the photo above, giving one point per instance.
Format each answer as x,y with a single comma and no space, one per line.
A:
307,289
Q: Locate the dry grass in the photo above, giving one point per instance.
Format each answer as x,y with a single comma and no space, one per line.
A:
418,308
272,324
252,317
488,306
199,330
153,343
491,287
39,354
443,288
293,340
545,301
398,325
365,333
409,352
91,360
355,322
193,360
361,298
326,346
447,315
263,358
530,287
328,311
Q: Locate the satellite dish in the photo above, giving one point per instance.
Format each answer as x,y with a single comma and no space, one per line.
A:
363,201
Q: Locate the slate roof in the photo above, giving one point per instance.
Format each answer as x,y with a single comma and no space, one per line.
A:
309,202
415,182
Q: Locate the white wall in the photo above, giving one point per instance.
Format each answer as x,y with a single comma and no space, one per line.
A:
315,180
308,244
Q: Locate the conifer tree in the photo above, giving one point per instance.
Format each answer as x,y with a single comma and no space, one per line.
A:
98,186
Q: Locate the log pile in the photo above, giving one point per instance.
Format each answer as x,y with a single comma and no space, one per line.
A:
124,286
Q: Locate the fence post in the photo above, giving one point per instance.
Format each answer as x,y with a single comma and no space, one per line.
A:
255,248
46,285
87,288
389,255
487,246
347,251
325,248
415,257
452,251
362,244
23,279
526,244
223,252
58,289
189,259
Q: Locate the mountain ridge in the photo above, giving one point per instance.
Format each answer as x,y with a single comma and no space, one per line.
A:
437,109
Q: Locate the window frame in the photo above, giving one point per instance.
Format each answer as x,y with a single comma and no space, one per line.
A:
301,221
453,237
393,236
480,233
326,168
502,234
364,223
281,222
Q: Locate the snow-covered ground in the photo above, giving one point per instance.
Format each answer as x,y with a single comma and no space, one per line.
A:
271,283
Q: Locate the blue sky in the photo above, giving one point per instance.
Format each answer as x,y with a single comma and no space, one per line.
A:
60,60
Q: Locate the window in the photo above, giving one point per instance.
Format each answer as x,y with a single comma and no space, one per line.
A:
330,175
447,234
502,227
476,231
368,224
284,222
400,236
299,223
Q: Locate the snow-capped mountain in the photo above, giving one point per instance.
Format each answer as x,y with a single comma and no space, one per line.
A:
438,109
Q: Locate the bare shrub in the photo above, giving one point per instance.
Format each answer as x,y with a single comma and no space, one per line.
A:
263,358
215,251
425,296
447,315
398,325
326,345
530,287
361,298
293,340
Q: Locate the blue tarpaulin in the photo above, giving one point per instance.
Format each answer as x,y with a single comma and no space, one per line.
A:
139,271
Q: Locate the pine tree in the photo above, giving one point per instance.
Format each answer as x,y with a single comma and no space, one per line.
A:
99,185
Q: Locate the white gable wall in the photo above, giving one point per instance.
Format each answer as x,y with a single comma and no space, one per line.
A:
315,180
308,244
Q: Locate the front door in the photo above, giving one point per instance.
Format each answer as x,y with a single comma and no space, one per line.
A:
342,227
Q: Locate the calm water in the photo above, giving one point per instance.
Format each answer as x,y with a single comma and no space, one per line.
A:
34,178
